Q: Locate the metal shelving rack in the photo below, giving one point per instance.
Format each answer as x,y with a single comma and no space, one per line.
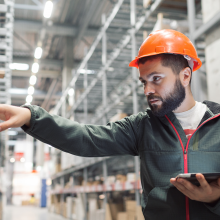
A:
117,58
6,48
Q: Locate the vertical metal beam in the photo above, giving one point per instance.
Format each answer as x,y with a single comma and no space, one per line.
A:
67,68
104,79
72,195
85,177
191,20
62,183
105,175
133,54
134,85
85,83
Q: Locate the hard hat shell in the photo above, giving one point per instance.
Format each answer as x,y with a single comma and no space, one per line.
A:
167,41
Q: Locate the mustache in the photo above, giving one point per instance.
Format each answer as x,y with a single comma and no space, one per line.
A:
151,96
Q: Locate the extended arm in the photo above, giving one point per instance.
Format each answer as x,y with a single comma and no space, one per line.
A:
119,138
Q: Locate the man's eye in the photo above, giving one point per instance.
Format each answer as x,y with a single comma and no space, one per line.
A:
156,78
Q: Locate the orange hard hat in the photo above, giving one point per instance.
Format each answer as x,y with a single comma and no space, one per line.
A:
168,41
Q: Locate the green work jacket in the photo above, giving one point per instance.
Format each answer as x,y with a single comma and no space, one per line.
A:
161,144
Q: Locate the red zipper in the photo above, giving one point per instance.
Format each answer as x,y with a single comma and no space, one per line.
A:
185,155
185,164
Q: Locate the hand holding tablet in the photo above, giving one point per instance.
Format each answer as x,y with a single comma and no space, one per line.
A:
191,177
204,189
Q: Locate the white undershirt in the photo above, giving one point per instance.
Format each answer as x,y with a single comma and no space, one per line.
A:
190,119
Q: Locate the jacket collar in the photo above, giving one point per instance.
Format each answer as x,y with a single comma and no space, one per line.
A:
213,109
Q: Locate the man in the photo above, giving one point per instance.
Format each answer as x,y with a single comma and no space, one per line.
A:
176,135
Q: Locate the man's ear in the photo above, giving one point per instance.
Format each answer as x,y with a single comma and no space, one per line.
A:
185,76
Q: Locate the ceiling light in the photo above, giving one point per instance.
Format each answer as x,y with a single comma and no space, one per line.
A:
83,71
110,69
174,24
35,67
33,80
30,90
18,66
29,98
48,9
12,133
71,92
22,160
38,53
12,160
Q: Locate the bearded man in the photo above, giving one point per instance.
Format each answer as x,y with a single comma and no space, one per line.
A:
175,135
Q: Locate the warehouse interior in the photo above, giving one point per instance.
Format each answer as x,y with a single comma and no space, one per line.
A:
71,57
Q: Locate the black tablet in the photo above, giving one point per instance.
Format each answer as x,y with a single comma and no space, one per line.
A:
192,177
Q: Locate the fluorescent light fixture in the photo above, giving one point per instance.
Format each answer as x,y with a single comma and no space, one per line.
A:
111,69
83,71
18,66
29,98
35,67
39,168
38,52
174,24
12,133
33,80
22,160
12,160
48,9
71,92
30,90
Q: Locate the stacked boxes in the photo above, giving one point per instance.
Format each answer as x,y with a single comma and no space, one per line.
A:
130,206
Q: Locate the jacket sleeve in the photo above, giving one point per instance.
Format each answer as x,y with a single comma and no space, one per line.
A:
214,208
118,138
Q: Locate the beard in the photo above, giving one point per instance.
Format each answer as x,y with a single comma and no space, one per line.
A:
169,103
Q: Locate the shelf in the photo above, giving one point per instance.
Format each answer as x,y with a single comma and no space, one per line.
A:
99,188
88,162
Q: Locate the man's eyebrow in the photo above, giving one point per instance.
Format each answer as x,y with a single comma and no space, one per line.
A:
150,75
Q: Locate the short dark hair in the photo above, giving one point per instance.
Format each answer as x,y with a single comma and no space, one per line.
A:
176,62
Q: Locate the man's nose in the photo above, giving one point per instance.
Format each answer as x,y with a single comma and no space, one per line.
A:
149,90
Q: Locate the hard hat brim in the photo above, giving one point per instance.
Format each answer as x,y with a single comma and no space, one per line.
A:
134,63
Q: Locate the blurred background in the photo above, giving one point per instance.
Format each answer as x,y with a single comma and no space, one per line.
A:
71,58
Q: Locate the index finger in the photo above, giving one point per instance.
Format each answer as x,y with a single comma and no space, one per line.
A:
203,183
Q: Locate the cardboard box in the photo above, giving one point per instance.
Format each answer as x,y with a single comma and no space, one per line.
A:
69,207
131,215
110,180
2,74
93,206
122,216
64,210
115,209
130,205
25,202
121,178
131,177
58,168
139,215
108,215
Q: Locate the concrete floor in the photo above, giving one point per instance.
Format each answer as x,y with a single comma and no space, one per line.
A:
28,213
